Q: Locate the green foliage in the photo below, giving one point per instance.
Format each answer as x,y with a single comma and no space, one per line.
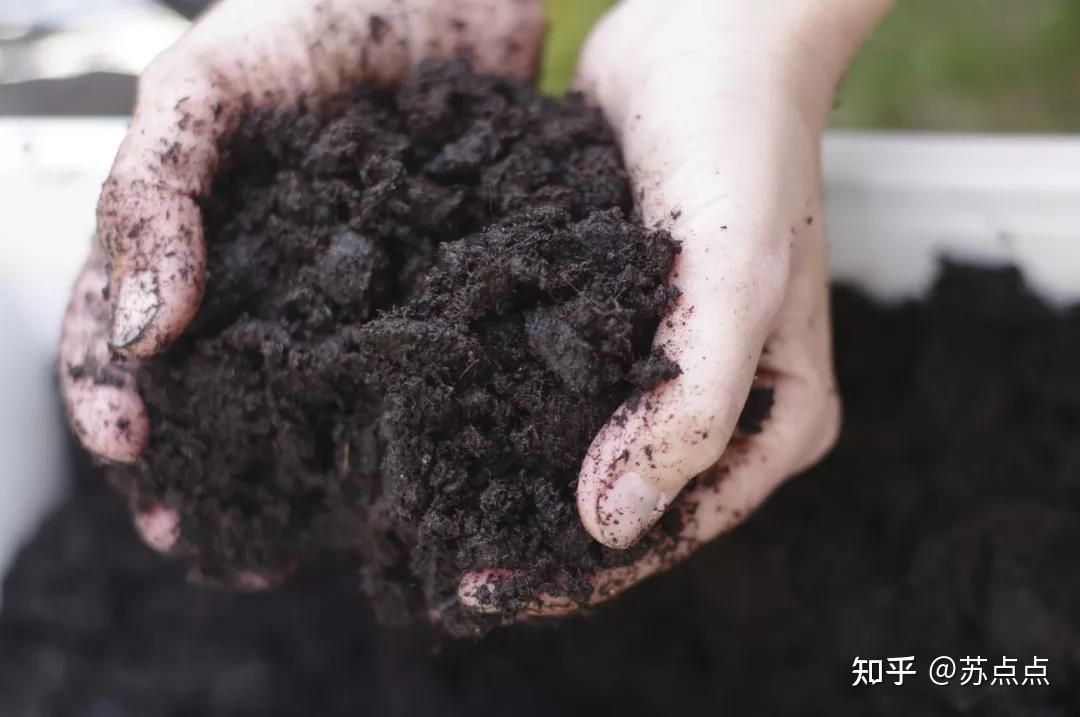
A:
971,65
569,22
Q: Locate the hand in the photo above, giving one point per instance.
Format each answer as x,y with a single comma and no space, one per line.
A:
719,108
143,283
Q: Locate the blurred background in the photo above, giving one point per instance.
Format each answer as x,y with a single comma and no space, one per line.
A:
949,65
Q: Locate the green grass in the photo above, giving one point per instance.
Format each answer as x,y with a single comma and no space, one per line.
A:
569,22
975,65
969,65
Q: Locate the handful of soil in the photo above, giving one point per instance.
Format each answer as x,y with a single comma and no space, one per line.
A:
417,316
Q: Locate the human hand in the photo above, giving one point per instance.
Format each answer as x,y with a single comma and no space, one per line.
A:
143,282
719,109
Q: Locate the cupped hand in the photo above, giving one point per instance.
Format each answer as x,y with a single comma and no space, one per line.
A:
142,284
719,108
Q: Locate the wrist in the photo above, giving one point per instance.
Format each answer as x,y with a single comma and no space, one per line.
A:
801,48
767,68
831,31
807,45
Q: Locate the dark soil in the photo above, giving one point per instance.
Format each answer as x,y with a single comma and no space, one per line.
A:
945,522
417,317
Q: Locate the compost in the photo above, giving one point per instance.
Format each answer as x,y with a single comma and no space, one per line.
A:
418,315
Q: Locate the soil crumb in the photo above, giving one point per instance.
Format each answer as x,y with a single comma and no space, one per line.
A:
945,522
418,315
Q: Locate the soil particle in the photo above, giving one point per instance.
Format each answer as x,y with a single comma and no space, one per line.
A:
417,316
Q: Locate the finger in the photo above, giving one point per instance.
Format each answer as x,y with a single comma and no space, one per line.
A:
245,580
483,591
99,393
159,527
479,591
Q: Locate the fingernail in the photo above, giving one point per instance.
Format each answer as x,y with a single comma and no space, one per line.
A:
136,305
251,582
629,507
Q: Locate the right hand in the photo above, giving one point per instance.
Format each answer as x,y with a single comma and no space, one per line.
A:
719,107
143,281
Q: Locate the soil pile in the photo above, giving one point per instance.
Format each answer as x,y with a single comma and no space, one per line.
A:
417,316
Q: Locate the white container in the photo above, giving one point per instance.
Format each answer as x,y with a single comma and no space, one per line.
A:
896,204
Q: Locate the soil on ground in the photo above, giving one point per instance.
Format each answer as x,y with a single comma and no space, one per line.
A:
945,522
417,316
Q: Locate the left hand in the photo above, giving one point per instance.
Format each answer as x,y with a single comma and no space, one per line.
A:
143,281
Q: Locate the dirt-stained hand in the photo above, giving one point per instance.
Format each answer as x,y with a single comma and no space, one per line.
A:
719,108
144,280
